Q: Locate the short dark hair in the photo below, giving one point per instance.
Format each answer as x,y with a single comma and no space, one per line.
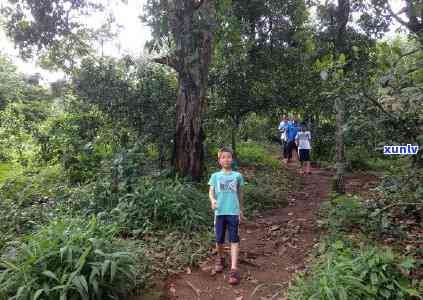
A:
224,149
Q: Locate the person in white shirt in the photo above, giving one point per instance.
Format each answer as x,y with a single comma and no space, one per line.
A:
284,138
303,140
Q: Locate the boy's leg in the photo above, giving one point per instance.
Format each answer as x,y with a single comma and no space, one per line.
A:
295,148
289,151
233,224
285,151
307,162
301,161
220,249
220,229
234,255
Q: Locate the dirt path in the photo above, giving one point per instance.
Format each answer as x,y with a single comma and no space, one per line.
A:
273,246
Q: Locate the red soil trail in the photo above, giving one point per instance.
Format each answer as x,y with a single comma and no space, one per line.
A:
273,246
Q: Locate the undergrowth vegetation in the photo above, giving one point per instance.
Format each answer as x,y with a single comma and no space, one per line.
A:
347,272
91,212
371,247
68,259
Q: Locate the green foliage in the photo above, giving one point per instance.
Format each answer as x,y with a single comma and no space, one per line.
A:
254,154
11,83
344,213
394,207
162,205
8,170
28,199
345,273
33,185
138,95
68,259
267,190
79,139
17,142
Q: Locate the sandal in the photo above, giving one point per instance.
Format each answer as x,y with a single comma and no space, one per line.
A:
219,264
234,277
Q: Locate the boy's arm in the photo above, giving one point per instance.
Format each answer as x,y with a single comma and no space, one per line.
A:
212,197
241,202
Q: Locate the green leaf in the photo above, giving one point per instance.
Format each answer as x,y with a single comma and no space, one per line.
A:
338,245
8,265
104,268
81,285
20,293
374,278
51,275
113,267
408,263
37,294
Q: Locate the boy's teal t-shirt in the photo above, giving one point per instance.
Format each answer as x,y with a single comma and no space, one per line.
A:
226,186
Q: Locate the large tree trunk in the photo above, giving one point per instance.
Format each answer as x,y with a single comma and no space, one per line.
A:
188,145
191,60
339,139
342,16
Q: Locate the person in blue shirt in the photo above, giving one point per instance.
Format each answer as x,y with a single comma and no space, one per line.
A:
292,130
226,199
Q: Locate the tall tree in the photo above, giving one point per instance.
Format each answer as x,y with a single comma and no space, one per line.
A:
52,30
342,14
187,25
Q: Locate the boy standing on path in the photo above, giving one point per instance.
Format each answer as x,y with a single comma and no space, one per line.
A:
302,140
226,200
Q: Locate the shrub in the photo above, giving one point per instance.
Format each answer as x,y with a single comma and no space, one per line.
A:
27,200
250,153
68,259
342,213
161,204
33,184
266,191
343,273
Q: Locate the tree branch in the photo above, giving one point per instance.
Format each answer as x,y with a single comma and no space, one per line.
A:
406,54
395,205
168,61
401,21
376,103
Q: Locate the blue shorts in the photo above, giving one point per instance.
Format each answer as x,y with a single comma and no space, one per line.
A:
231,222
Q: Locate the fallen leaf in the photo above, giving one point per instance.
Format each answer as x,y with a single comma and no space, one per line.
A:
206,268
274,227
188,270
239,298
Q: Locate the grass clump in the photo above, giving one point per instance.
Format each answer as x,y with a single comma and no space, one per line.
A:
369,273
68,259
255,154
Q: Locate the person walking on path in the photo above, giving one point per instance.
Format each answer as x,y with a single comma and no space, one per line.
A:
292,131
303,139
284,139
226,199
